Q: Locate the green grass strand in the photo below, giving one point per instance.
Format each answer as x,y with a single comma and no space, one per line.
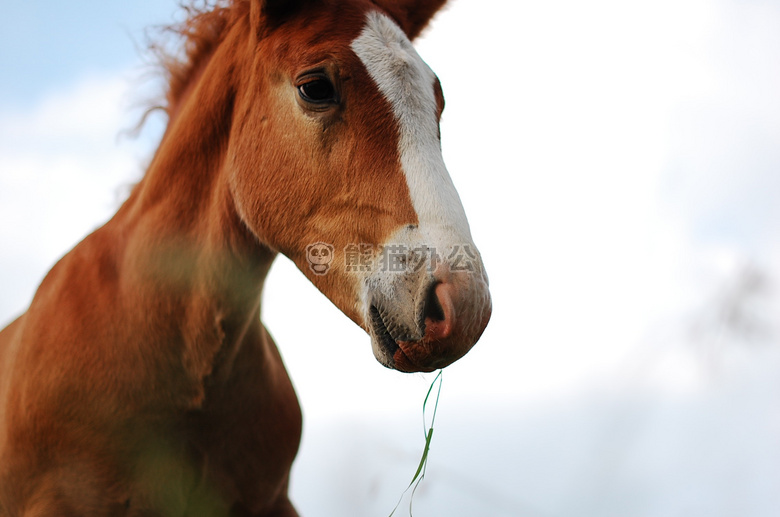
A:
419,475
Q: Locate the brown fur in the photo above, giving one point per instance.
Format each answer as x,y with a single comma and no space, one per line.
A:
141,381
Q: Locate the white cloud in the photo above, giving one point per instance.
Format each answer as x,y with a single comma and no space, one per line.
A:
84,111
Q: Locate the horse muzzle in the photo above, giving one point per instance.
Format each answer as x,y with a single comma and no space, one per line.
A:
421,321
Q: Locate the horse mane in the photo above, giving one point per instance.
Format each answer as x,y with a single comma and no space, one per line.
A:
205,25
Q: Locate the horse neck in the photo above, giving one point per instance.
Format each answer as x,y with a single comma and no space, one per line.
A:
190,255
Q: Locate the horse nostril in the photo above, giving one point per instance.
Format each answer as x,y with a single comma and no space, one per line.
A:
440,312
433,309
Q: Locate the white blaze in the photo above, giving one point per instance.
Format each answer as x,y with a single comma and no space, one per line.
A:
408,84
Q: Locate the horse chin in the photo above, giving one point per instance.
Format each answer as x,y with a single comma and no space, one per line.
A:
405,356
404,362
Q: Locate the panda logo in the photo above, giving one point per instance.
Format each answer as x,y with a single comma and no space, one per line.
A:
319,255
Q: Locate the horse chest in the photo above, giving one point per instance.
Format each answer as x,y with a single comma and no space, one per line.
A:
248,432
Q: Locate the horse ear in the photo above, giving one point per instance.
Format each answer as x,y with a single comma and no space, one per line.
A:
412,15
271,13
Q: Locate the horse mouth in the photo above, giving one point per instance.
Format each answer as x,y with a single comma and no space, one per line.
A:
387,343
393,354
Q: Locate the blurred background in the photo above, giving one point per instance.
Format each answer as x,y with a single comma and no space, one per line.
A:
620,166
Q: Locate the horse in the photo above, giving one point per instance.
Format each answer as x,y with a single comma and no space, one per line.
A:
141,381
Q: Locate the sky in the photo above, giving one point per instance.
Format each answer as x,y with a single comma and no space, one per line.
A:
619,166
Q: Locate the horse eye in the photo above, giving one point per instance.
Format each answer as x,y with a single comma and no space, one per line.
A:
318,91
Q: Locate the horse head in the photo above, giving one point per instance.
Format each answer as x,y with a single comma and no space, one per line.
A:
345,151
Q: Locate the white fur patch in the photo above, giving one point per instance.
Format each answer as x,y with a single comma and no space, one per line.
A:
408,84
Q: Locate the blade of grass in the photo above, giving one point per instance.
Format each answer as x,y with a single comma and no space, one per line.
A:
419,475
